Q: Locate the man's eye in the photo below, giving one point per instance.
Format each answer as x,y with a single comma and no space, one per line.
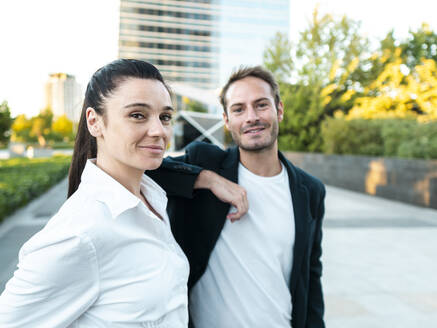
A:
237,110
166,117
262,105
137,116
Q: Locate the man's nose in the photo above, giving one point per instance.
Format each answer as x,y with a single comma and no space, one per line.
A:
252,114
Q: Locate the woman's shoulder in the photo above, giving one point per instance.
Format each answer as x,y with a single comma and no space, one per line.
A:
79,213
77,219
69,234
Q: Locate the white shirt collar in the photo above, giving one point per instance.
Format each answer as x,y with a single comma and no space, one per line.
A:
116,196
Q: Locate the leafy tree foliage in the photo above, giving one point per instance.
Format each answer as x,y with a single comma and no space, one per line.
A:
321,68
5,123
303,114
399,92
194,106
420,44
333,71
328,47
277,57
42,128
64,127
21,129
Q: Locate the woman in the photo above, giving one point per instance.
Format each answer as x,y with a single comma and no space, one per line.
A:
108,258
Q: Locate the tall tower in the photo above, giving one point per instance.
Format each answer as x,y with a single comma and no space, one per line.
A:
245,28
179,37
199,42
63,96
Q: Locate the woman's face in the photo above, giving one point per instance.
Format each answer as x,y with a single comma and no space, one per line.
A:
137,126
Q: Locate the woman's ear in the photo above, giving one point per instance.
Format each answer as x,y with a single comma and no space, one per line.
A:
94,122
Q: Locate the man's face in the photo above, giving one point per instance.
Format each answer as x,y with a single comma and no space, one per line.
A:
252,117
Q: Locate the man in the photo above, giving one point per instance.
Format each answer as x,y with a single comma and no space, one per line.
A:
263,270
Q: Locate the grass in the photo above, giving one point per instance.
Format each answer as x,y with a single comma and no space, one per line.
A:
23,179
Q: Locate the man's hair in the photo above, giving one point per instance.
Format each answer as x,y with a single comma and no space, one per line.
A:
255,71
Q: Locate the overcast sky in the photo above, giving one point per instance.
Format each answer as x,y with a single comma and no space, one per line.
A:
77,37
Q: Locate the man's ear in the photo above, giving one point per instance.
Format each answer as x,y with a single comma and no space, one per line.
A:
93,121
226,119
280,111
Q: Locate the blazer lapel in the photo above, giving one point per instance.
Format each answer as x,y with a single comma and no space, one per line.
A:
300,203
228,170
229,167
300,200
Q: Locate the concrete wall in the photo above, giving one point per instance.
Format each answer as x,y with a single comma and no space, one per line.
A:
406,180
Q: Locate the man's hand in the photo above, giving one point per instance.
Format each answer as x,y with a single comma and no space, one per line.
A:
226,191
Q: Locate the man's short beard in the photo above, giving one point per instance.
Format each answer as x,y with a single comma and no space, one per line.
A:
259,148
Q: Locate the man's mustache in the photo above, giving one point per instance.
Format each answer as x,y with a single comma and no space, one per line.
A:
256,125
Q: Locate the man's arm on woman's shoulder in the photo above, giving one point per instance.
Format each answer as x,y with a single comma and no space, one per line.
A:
180,176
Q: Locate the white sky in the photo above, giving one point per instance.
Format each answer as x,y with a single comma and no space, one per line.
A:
38,37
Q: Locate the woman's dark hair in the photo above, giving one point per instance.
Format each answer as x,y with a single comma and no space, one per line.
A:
103,82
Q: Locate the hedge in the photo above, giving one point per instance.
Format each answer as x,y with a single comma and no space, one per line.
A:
384,137
22,179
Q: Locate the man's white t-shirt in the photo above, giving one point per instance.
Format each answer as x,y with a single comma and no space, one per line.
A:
246,283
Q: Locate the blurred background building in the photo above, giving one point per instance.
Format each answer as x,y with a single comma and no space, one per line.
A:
179,37
200,41
63,96
245,29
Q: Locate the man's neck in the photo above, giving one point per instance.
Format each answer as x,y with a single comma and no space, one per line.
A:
265,163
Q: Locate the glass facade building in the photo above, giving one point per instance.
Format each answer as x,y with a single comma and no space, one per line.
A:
179,37
199,42
246,27
63,96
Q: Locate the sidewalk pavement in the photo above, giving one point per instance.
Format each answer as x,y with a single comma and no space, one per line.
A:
379,257
380,262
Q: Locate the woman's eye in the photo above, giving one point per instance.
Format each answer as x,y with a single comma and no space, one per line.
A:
137,116
166,117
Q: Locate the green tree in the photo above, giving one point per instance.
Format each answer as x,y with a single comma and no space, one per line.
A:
194,106
328,43
21,129
41,126
46,115
373,65
38,129
323,67
63,126
303,114
420,44
277,57
5,123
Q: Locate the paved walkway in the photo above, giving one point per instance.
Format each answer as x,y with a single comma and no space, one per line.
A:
380,257
380,263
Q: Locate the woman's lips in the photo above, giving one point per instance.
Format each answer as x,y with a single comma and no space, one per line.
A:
153,148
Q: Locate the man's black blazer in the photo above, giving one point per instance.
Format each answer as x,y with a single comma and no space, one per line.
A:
197,218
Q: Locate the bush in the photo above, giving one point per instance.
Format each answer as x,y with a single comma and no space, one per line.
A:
384,137
357,137
303,115
22,179
421,143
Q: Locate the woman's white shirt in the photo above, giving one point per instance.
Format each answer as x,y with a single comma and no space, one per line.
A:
104,260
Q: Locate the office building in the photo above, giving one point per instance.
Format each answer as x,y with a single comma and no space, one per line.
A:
63,96
246,27
179,37
199,42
